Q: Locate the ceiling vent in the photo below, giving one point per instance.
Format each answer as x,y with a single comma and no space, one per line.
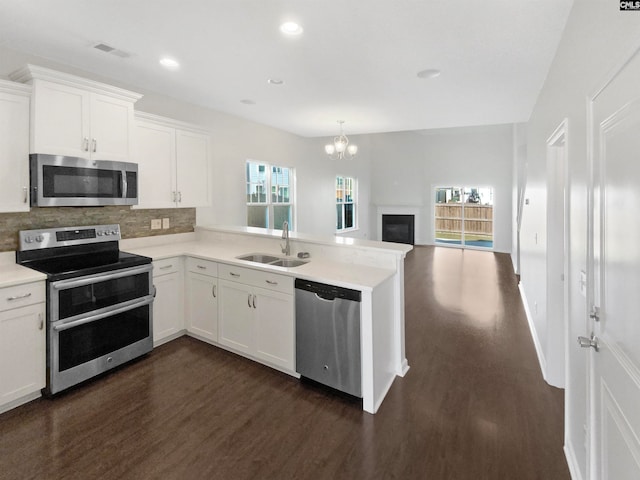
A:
103,47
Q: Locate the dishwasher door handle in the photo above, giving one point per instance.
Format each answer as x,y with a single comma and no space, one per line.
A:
325,299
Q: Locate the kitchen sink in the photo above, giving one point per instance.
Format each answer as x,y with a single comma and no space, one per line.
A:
267,259
288,262
258,258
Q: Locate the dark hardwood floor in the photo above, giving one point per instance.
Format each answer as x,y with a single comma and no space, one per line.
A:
472,406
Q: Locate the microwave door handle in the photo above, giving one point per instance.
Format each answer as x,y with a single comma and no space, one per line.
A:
110,312
124,184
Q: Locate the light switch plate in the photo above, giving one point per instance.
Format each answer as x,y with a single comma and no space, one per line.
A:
165,223
583,283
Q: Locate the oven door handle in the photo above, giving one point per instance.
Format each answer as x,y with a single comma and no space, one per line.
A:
88,280
65,326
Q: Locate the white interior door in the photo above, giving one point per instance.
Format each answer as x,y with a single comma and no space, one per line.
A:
615,259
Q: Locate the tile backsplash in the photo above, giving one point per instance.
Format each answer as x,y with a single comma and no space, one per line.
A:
134,223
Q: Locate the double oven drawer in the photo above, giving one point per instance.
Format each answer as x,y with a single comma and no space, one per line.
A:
98,322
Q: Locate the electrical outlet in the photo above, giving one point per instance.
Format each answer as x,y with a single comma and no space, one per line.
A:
156,224
165,223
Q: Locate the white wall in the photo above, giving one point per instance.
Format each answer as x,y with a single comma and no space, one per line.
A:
407,165
596,38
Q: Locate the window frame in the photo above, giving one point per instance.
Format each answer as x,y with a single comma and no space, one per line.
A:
354,202
269,203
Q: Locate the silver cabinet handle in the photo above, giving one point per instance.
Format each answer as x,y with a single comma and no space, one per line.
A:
213,291
271,282
94,144
26,191
179,197
249,300
166,266
234,274
85,144
174,196
201,267
41,325
254,301
19,297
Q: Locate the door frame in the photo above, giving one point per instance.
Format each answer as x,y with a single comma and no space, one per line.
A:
556,361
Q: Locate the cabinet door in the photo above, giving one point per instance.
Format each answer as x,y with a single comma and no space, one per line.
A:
168,311
274,313
192,158
236,326
14,152
155,152
111,128
60,121
22,352
202,305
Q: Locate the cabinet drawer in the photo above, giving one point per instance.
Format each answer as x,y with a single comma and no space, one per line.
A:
21,295
204,267
167,265
257,278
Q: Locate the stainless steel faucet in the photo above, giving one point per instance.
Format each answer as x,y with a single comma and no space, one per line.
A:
286,248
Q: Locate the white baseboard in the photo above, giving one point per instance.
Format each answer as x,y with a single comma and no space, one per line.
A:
534,334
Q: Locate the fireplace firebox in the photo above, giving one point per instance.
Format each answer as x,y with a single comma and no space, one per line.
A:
398,229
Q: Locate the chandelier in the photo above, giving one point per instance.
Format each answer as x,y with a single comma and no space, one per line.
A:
340,147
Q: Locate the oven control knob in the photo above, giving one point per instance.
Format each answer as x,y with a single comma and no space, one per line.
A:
99,233
28,239
107,232
114,232
39,238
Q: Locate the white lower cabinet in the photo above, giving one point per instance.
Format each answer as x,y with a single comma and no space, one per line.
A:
22,343
202,299
168,306
255,320
275,329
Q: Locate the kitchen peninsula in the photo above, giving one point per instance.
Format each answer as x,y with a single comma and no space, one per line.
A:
209,255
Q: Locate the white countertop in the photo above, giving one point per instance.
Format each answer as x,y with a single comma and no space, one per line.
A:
13,274
358,277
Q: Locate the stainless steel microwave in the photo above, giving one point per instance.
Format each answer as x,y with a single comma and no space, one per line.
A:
59,181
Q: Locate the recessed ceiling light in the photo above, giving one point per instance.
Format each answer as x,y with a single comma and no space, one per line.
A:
275,81
429,73
169,63
291,28
248,101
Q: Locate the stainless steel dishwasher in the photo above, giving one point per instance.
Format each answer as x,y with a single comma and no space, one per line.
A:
328,335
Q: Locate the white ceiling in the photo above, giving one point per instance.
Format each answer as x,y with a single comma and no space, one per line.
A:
356,61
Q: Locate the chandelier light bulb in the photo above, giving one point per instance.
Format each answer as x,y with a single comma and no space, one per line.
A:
340,147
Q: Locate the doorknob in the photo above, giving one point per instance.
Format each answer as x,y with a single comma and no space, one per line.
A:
585,342
595,313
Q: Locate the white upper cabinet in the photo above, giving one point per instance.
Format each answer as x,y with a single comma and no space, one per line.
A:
78,117
14,147
173,163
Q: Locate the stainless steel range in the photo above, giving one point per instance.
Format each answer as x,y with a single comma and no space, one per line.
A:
99,300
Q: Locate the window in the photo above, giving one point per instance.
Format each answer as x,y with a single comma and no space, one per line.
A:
464,216
269,195
346,204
